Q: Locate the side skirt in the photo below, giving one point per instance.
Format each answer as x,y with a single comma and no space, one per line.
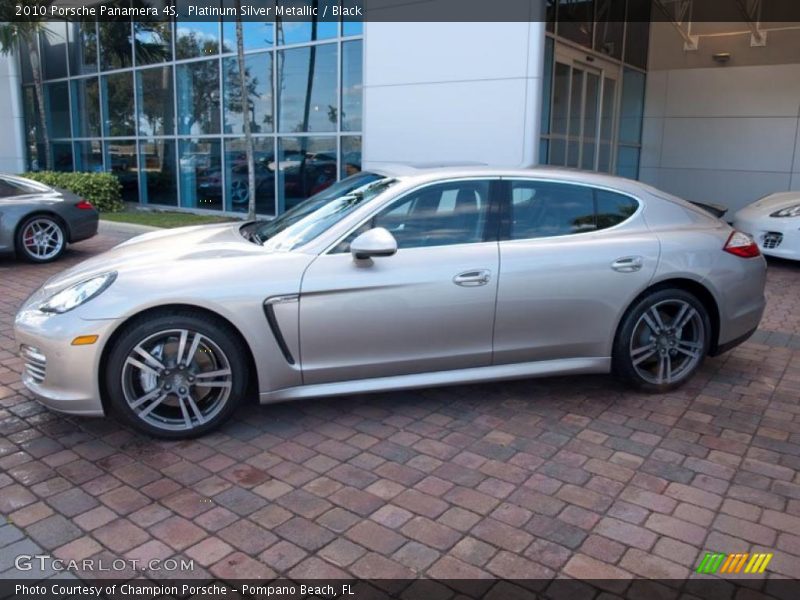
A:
566,366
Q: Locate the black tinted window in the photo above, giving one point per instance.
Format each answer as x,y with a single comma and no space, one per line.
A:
545,209
7,190
14,188
438,215
541,209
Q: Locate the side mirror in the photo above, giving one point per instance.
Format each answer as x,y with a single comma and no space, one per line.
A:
375,242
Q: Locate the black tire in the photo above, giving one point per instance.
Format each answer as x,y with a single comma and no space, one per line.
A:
30,255
124,381
632,358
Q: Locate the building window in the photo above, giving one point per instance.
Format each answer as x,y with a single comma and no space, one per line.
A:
307,89
630,123
89,156
350,28
57,106
575,22
198,97
159,105
156,101
352,79
116,51
592,99
195,40
157,160
609,27
306,166
153,42
118,102
86,107
351,155
62,156
258,75
255,35
200,169
299,32
54,50
82,48
236,176
122,160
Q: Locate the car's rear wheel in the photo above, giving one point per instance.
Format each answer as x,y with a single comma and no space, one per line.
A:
662,340
177,375
41,239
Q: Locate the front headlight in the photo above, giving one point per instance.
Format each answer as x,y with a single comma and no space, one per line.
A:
77,294
790,211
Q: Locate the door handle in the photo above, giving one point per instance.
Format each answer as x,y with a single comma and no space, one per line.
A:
627,264
473,278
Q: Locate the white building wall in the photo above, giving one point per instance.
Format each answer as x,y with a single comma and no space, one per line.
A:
452,92
728,134
12,146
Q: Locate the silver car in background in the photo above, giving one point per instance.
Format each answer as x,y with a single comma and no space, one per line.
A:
38,221
396,278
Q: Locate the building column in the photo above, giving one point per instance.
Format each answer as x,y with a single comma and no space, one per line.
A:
12,142
445,92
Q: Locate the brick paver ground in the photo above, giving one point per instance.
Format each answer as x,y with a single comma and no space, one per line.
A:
574,476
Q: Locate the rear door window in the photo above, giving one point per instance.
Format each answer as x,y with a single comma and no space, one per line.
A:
549,209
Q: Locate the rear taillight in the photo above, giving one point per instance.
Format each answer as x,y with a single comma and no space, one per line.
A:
84,205
741,244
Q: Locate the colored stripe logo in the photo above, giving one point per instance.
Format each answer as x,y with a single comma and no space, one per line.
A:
732,564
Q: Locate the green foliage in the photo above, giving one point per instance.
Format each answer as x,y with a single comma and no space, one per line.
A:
103,190
13,33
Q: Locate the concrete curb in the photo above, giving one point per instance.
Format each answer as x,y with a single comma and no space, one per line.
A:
110,227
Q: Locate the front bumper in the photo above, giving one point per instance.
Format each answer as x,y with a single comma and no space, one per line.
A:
778,237
63,377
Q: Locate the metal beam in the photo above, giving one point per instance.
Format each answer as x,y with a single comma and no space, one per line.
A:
678,17
750,10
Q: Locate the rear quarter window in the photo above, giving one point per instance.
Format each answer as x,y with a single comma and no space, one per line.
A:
14,187
613,209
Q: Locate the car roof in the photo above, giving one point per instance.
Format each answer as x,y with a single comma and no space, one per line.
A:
430,172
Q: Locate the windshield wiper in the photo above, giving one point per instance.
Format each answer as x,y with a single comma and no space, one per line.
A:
249,232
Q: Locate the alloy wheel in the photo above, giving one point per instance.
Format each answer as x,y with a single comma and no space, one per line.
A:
240,193
42,238
668,342
176,379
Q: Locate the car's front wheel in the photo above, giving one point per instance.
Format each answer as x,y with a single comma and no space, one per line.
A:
176,375
41,239
662,340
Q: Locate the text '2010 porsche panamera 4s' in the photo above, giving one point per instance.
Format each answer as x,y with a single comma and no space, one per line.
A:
390,279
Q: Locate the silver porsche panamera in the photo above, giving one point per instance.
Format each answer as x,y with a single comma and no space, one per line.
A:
395,278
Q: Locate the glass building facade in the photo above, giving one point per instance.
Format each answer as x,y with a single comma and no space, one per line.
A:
594,84
159,104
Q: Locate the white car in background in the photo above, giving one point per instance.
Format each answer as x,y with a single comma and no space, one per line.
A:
774,222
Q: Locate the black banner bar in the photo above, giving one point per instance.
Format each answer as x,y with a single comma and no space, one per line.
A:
706,587
577,11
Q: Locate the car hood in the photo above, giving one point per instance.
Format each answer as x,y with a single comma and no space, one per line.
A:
153,250
771,203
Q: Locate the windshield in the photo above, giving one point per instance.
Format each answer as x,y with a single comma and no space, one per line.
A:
310,218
